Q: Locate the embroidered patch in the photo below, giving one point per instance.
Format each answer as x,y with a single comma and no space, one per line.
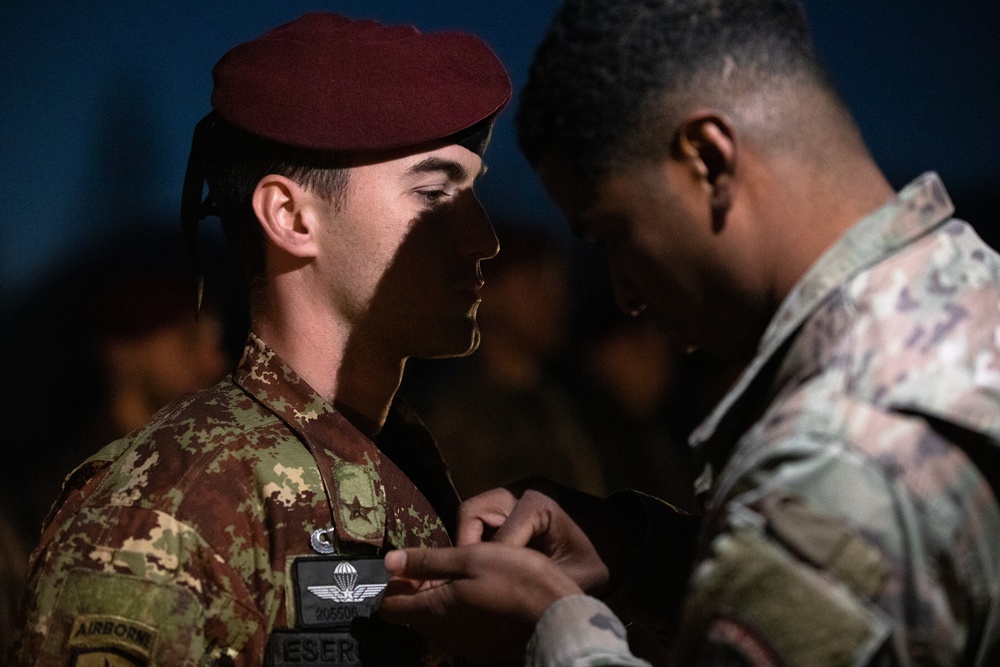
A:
103,659
102,633
312,649
333,591
360,505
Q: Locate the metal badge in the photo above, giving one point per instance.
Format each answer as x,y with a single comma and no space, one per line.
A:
332,592
322,540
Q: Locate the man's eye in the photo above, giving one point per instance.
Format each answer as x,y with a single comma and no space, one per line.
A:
433,196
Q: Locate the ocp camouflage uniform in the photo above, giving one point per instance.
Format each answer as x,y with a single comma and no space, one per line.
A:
853,519
175,545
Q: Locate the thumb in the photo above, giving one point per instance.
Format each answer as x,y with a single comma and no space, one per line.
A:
395,562
443,563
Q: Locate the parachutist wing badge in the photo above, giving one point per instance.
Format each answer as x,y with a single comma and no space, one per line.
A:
365,591
335,593
332,591
359,593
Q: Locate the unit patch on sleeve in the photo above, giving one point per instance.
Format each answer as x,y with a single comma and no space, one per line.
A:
330,592
101,639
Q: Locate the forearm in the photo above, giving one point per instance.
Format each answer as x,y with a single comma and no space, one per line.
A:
578,631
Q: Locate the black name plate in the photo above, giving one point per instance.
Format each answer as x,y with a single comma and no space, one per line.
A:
312,649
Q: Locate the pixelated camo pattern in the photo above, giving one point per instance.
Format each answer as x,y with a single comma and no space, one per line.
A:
189,525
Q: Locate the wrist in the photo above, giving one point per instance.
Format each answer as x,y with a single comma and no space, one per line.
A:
549,586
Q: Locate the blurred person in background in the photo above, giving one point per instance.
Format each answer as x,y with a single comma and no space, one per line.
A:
628,388
152,349
102,344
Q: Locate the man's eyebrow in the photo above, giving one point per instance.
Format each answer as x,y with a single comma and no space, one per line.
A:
452,169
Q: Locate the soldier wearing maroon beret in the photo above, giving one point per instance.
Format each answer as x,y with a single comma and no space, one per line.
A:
245,524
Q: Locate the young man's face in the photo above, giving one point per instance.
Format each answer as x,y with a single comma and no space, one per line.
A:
401,254
655,224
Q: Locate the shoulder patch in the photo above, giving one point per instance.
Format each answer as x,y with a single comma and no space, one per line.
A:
93,635
778,608
104,659
825,541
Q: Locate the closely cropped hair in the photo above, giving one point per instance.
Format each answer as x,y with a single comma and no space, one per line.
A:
239,160
606,63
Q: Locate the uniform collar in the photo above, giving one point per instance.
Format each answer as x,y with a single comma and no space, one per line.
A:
349,463
920,207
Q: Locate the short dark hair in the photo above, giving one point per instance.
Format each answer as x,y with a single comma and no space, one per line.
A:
596,81
238,160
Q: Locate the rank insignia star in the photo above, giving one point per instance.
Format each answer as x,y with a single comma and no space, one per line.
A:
359,511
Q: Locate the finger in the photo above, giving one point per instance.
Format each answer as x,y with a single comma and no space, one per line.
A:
530,518
470,531
423,564
485,511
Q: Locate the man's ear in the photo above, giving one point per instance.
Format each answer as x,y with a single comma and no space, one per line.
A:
287,214
707,142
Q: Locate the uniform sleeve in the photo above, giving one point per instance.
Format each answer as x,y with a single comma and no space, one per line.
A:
160,596
864,546
580,631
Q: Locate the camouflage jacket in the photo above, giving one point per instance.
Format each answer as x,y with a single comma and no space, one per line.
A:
184,543
852,518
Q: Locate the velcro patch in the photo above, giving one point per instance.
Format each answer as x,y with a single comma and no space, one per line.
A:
333,591
801,618
106,632
826,541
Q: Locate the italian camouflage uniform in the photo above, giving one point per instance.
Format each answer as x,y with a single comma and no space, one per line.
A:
852,516
182,543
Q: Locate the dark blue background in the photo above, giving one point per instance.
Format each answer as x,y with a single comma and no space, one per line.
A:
99,99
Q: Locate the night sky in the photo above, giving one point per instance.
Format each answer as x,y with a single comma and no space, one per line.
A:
99,100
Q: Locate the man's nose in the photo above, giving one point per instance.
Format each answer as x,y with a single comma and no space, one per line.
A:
479,240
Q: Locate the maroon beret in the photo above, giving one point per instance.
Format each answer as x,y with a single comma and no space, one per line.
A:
326,82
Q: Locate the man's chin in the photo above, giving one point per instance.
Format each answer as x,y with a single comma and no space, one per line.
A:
462,348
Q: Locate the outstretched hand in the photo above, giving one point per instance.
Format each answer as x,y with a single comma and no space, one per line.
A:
480,601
